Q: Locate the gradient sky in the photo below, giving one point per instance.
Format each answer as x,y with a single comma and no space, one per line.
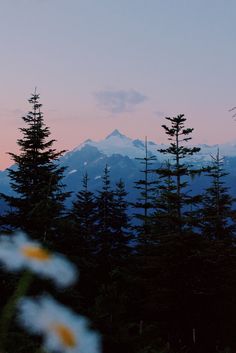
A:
106,64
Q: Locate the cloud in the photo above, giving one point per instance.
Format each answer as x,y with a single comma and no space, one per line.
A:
119,101
12,113
160,114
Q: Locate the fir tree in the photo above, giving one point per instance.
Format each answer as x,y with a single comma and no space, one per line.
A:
36,179
82,223
165,217
179,170
217,214
83,212
121,221
146,188
112,259
168,261
105,216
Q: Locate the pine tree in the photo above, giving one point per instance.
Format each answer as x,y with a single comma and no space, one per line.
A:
82,218
112,260
165,217
170,259
121,223
146,188
83,211
36,179
112,236
178,170
217,214
105,216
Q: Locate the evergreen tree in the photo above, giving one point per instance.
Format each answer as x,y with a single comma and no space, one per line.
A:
112,260
165,217
178,170
146,188
169,263
121,205
121,221
83,212
78,231
105,216
36,179
82,221
217,214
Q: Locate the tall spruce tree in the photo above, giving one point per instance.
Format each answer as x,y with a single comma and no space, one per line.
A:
36,179
112,236
165,217
112,260
105,216
217,214
178,170
121,223
83,211
121,205
146,188
79,226
169,261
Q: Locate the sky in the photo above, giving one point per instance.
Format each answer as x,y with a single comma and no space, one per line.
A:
105,64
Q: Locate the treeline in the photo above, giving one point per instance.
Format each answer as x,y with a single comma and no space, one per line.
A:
159,280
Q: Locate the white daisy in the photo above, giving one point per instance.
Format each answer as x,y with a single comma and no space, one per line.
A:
62,330
18,252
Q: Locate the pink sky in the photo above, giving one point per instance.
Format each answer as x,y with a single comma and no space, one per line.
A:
95,124
101,65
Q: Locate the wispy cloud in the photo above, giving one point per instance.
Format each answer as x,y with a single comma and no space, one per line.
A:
119,101
160,114
12,113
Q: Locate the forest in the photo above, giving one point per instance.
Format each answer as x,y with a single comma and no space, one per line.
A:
156,275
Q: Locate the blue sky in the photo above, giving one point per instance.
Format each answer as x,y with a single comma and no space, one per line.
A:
105,64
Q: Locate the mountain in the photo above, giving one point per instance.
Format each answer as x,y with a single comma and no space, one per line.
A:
119,152
117,143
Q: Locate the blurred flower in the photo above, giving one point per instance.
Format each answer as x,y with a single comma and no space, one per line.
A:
62,330
18,252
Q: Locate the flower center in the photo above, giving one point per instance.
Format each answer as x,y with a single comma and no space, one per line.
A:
65,335
35,253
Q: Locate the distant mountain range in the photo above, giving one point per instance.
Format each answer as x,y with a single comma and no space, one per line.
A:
119,152
117,143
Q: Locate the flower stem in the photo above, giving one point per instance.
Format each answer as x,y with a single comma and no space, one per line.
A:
8,310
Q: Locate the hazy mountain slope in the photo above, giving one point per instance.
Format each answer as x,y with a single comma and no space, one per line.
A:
119,152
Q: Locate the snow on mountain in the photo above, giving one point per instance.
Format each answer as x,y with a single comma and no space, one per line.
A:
119,152
226,149
116,133
117,143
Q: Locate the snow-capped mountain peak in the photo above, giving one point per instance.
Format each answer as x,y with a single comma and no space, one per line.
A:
116,133
119,152
118,143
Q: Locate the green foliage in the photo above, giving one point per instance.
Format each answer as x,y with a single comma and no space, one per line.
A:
175,201
146,188
148,296
112,219
217,214
36,179
82,224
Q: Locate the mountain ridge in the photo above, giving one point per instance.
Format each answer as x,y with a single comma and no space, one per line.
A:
116,142
120,153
